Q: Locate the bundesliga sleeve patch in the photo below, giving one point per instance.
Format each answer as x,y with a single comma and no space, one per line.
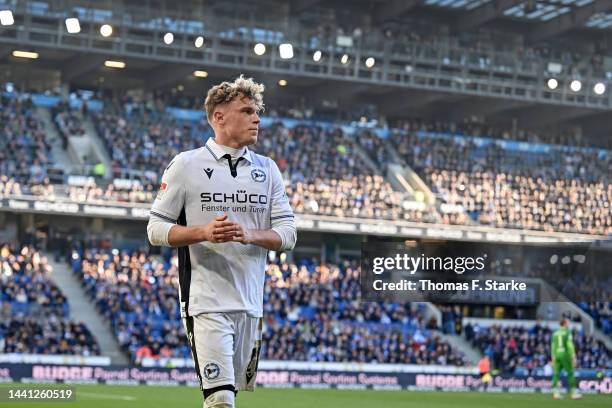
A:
162,188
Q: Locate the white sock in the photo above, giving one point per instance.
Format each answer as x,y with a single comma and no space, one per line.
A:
220,399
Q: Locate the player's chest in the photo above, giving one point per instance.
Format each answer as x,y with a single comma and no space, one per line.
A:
217,187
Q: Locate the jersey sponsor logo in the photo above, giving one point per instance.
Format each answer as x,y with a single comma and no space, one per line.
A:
239,197
258,175
211,371
162,188
208,172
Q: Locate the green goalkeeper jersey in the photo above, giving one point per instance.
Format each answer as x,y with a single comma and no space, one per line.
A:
562,344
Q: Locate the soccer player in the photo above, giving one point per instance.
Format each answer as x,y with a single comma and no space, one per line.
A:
224,207
563,358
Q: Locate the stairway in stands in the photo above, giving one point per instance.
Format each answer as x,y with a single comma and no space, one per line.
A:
62,157
83,309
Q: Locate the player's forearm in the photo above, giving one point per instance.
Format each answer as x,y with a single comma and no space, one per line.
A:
267,239
180,235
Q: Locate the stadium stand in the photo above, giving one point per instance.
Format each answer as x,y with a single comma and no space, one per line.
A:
522,350
443,127
138,293
142,138
25,152
67,121
471,128
324,175
495,186
601,313
563,189
35,314
312,314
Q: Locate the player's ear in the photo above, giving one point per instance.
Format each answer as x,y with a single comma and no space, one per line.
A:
218,117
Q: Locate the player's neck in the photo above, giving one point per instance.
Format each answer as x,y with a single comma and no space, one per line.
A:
228,143
232,151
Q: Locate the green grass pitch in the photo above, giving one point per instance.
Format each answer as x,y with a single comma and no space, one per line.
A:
97,396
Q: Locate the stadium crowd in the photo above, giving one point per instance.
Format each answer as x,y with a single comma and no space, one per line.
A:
26,285
601,312
141,138
67,121
50,336
327,339
25,151
325,175
519,348
471,128
312,314
138,293
563,190
34,313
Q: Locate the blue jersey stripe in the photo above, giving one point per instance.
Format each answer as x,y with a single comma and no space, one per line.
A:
282,216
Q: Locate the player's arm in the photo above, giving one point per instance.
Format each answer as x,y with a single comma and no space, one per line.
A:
282,235
570,348
216,231
162,228
267,238
168,204
553,347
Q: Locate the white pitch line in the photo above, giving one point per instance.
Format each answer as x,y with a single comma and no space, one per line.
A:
106,396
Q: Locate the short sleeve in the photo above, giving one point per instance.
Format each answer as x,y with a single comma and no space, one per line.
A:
171,195
280,202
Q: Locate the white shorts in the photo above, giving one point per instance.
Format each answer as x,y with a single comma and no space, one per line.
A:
225,348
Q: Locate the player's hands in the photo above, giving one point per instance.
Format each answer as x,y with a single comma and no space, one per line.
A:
242,235
219,230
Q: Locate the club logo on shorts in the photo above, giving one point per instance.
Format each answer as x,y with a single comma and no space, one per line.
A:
211,371
258,175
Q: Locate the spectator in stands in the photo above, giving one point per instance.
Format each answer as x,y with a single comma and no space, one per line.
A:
564,189
568,191
527,349
315,301
34,311
25,151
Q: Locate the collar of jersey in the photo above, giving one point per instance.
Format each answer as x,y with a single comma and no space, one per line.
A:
218,153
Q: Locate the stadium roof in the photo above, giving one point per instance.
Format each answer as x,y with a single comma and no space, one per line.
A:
562,16
82,65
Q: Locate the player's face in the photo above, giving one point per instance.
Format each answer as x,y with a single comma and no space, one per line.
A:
242,121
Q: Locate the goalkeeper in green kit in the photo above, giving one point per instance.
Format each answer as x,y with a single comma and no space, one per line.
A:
563,358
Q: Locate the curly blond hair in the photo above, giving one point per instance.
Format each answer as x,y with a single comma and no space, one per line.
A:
226,92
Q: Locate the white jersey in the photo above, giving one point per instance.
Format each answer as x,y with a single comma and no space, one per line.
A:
201,184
